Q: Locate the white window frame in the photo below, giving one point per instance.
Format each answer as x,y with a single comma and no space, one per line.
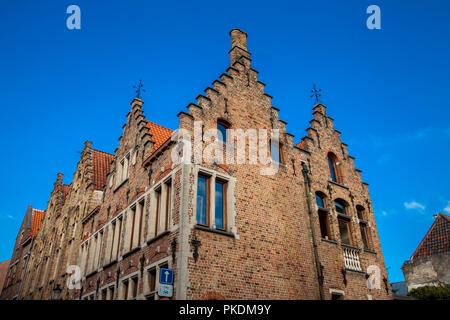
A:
230,200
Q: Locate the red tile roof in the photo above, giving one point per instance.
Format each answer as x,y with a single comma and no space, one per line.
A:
38,215
101,165
301,145
159,134
437,239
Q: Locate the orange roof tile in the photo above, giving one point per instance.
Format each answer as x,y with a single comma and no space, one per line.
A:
301,145
159,134
101,165
38,215
436,240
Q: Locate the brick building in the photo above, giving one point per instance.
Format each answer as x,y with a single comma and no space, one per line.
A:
4,265
428,265
57,243
229,229
13,281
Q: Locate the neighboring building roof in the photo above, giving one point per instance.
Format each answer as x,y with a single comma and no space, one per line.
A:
101,165
437,239
38,215
159,134
399,288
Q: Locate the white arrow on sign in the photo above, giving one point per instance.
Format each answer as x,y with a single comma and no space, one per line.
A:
167,275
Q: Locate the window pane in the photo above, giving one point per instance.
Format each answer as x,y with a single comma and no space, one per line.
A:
201,200
332,171
364,236
275,151
323,224
319,201
339,207
152,280
219,206
343,229
222,132
360,213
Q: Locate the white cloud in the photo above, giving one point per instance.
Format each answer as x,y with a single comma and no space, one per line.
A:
447,208
413,205
384,213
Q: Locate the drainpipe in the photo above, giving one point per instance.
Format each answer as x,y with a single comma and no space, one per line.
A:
311,225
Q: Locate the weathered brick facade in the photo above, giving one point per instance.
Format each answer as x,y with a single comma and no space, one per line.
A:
267,243
13,280
57,243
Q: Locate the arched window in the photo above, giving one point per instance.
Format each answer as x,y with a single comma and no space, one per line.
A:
361,214
320,197
323,216
341,206
222,127
332,166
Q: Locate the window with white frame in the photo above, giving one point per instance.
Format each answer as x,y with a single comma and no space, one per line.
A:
134,225
213,201
116,230
161,207
123,169
151,283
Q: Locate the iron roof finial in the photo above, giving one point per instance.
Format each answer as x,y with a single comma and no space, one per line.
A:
139,88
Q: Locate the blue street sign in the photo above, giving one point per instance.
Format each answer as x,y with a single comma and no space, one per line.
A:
165,276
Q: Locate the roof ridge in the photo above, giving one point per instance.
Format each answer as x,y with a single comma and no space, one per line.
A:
102,152
445,216
158,125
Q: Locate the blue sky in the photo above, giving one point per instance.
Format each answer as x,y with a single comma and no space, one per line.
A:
388,90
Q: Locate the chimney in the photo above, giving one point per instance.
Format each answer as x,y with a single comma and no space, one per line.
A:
238,45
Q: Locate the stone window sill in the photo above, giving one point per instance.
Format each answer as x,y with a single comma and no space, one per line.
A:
370,251
330,241
362,273
338,184
349,246
159,236
109,264
129,253
91,274
120,185
216,231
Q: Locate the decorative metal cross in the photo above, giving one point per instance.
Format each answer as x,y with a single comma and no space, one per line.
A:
138,89
315,93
